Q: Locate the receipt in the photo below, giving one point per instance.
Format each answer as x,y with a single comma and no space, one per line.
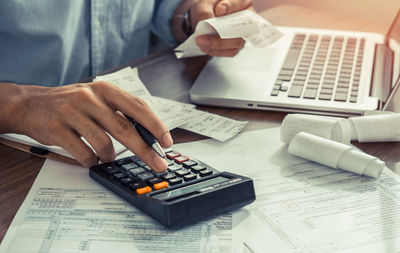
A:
245,24
376,128
214,126
334,154
128,80
337,129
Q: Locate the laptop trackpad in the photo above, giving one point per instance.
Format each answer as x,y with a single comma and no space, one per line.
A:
247,59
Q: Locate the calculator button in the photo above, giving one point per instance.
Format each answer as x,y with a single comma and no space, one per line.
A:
160,185
190,177
182,172
127,167
119,176
160,174
181,159
134,158
147,168
123,161
197,168
145,176
135,172
136,185
189,163
204,173
169,176
140,163
110,169
143,190
175,181
170,162
174,168
173,154
154,180
127,180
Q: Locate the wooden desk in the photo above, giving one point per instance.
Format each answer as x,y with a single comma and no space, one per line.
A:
168,77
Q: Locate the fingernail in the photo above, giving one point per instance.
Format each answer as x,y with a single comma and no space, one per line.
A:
160,163
167,140
203,42
222,9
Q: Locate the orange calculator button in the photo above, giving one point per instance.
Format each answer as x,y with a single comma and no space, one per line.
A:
143,190
160,185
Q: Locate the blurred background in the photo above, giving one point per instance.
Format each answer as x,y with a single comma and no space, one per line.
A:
383,11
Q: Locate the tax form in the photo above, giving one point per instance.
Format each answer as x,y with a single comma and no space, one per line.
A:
301,207
68,212
306,207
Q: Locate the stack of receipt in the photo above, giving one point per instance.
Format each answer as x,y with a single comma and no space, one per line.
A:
326,140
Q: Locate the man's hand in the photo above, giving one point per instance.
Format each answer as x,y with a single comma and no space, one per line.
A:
203,9
60,116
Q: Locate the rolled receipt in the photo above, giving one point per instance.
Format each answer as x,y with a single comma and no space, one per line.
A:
337,129
376,128
334,154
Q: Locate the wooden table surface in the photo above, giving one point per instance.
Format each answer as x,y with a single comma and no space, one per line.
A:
168,77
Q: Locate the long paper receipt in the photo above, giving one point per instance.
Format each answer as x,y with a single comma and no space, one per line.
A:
245,24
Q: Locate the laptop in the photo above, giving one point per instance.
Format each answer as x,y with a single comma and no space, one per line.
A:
319,71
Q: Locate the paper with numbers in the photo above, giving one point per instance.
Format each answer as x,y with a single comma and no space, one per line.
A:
254,29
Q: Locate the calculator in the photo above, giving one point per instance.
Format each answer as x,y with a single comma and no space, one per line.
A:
187,192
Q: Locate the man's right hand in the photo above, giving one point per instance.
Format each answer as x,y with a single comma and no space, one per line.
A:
61,115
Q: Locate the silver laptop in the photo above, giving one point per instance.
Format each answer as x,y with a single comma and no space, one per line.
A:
317,71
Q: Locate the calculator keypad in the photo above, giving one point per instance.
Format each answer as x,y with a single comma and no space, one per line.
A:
134,174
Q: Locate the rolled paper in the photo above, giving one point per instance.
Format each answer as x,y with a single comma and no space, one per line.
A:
337,129
334,154
376,128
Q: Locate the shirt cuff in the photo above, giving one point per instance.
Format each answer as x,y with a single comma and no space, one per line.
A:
162,18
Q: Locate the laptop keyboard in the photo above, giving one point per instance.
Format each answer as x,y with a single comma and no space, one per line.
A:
322,67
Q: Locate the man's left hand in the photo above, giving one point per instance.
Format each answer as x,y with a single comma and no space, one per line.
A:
212,44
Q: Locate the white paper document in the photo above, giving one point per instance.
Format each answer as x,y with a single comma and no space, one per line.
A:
245,24
304,207
301,207
66,211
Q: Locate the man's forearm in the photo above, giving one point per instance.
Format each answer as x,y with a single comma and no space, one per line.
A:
10,100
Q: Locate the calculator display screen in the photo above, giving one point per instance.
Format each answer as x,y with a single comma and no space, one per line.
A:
189,189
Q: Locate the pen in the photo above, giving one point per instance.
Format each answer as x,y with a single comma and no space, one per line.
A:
146,136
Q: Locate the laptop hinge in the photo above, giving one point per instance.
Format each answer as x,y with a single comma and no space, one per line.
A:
381,81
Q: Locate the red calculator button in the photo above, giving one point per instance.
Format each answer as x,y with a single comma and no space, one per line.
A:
173,154
181,159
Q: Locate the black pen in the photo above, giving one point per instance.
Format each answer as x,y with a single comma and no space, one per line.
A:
146,136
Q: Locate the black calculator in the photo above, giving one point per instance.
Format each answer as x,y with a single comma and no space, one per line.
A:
187,192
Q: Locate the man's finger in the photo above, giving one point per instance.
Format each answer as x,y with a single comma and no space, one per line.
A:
95,135
71,142
134,107
225,7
